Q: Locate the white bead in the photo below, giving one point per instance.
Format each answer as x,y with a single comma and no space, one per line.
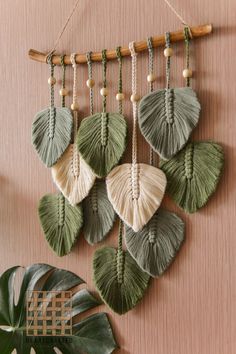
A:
120,96
104,91
168,52
187,73
90,83
151,78
134,97
63,92
51,80
74,106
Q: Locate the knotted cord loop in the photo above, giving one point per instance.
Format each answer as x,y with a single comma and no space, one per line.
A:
167,39
75,93
63,66
104,77
150,71
135,103
90,76
120,82
187,37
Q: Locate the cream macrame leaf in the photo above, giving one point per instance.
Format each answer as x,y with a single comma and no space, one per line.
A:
60,221
193,174
118,279
167,118
136,192
156,245
99,215
73,176
52,135
102,141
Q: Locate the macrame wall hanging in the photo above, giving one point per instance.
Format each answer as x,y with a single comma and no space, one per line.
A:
85,158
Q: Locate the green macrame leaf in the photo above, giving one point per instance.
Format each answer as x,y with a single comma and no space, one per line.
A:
193,174
51,136
102,141
156,245
99,215
60,221
167,118
118,279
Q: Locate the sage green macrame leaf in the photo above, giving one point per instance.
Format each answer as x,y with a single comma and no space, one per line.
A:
193,174
51,137
156,245
99,215
167,118
135,192
102,141
60,221
118,279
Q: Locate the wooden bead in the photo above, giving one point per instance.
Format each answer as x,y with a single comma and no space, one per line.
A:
120,96
63,92
134,97
168,52
151,78
104,91
51,80
74,106
90,83
187,73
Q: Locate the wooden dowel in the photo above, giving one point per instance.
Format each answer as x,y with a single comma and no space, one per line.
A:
158,41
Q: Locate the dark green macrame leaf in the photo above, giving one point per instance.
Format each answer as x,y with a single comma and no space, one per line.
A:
102,141
193,174
51,137
92,335
99,215
156,245
61,222
167,118
118,279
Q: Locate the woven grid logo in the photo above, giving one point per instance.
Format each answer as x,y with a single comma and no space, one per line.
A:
49,313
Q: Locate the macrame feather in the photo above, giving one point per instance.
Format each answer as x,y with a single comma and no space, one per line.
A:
136,192
193,174
60,221
167,118
51,134
99,215
156,245
118,279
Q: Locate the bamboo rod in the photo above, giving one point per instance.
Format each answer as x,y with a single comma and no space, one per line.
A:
158,41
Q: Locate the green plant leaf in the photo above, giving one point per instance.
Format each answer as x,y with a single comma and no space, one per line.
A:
99,215
193,174
102,141
167,118
92,335
156,245
118,279
51,135
61,222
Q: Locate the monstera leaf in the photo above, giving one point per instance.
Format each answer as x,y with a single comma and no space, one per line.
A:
51,133
193,174
102,141
92,335
167,118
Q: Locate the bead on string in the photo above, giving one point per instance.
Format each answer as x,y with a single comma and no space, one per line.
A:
120,95
187,72
63,91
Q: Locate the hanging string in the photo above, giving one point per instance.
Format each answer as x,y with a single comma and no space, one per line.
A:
150,71
176,13
167,39
187,40
74,105
52,82
134,99
120,95
63,66
90,82
104,79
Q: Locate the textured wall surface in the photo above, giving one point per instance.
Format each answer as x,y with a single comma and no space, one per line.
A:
191,309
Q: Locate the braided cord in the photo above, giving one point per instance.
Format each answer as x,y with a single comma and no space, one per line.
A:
150,71
63,67
120,256
187,40
90,76
167,39
104,78
75,93
120,82
52,111
135,103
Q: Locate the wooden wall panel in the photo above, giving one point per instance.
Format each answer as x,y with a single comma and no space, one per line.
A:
191,309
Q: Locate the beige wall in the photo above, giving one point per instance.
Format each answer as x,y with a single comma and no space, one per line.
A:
191,309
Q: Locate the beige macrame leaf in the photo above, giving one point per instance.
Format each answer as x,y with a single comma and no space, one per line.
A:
73,176
136,192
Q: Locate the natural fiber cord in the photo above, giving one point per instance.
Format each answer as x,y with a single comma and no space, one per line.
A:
99,215
193,174
156,245
61,222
